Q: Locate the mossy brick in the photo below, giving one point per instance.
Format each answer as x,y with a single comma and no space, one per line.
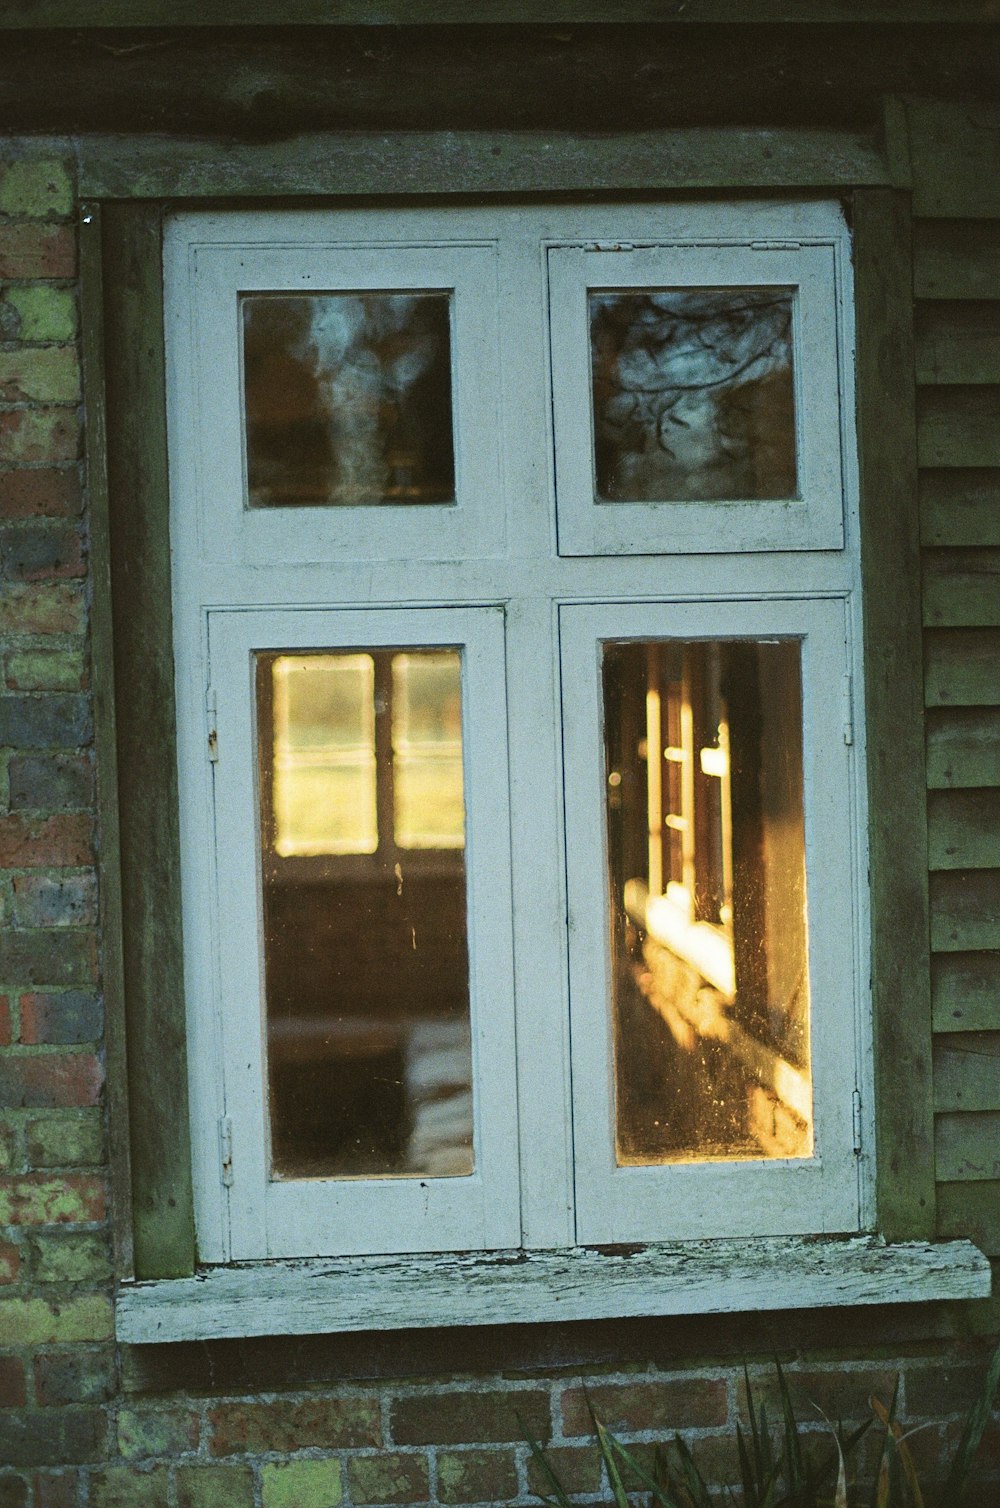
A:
44,607
46,550
13,1490
675,1404
36,187
214,1487
46,670
37,251
34,1321
5,1021
53,782
389,1477
13,1383
49,956
65,900
56,720
578,1467
83,1374
300,1484
39,312
840,1391
37,1199
476,1476
56,1489
129,1487
65,1141
146,1432
39,434
10,1262
41,492
35,842
942,1389
455,1418
11,1153
283,1425
70,1257
39,374
53,1437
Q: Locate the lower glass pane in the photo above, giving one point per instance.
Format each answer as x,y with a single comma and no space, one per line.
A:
365,952
706,844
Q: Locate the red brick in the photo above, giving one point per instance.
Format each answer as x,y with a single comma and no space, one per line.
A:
4,1021
50,1080
56,1489
71,1198
685,1403
12,1383
457,1418
41,493
42,551
10,1262
329,1423
13,1490
37,251
56,607
389,1477
477,1476
34,842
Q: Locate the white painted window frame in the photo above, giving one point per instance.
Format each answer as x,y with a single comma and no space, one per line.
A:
409,568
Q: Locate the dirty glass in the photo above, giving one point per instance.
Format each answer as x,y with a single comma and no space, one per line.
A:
706,844
692,394
348,398
364,906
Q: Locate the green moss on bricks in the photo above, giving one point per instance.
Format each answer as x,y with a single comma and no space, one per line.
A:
214,1487
36,187
38,313
390,1477
156,1432
301,1484
128,1487
73,1257
46,670
36,1322
62,1141
46,374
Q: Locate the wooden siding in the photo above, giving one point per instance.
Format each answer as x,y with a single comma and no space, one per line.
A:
957,322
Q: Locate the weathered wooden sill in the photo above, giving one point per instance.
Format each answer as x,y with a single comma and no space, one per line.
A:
694,1277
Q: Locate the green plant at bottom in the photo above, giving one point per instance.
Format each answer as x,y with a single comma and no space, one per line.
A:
780,1471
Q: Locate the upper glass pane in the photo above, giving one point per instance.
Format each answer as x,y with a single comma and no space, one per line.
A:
706,843
348,398
428,804
692,394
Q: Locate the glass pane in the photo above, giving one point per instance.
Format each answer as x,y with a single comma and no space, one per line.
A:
428,810
324,754
692,393
348,398
703,747
365,951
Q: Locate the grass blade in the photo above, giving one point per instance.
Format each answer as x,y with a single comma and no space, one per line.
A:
972,1434
545,1466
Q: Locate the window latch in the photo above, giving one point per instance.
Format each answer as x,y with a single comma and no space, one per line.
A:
856,1108
847,695
226,1150
211,724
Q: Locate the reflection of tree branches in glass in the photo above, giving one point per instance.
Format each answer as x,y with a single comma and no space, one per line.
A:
693,394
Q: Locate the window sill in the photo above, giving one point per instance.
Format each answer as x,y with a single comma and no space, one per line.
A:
697,1277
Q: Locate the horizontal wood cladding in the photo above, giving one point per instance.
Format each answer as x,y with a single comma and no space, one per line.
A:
963,747
956,259
971,1210
960,506
963,829
967,1145
965,992
955,151
965,910
967,1071
962,667
961,588
958,342
958,426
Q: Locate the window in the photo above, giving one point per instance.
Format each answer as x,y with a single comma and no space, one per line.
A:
516,613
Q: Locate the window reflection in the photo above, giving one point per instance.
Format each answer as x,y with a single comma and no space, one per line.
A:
366,959
692,394
348,398
707,871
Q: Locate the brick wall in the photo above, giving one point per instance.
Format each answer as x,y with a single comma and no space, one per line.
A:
72,1431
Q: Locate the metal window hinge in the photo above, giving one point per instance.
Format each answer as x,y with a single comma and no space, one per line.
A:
226,1150
211,724
856,1106
775,245
847,695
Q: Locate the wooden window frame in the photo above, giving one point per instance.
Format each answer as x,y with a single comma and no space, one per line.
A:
121,266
